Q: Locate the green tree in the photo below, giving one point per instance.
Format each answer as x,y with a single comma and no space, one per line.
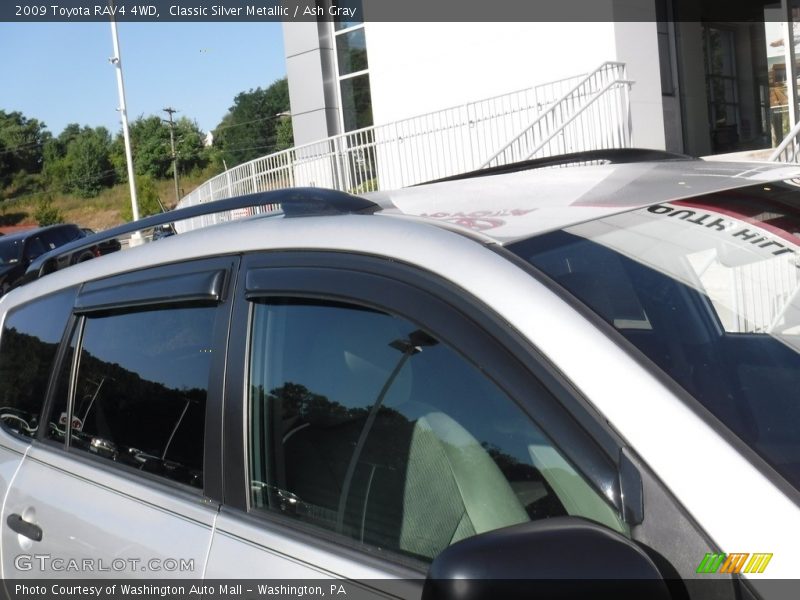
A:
248,130
55,172
147,198
284,134
21,141
47,214
87,162
152,153
189,144
150,148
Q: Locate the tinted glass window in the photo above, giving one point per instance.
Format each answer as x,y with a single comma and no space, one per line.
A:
368,426
351,51
10,251
30,339
707,288
140,392
35,247
61,235
343,21
356,102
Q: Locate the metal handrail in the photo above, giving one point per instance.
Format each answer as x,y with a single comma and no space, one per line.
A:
437,144
588,79
608,86
782,152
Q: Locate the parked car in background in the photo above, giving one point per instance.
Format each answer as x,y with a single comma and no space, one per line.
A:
527,373
104,247
17,250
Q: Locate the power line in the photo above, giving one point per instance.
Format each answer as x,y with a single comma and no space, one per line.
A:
277,116
15,148
53,189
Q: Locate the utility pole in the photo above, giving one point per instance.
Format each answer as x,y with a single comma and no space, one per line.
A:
169,110
116,60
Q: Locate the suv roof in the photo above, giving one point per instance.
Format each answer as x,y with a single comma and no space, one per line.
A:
21,235
501,208
511,206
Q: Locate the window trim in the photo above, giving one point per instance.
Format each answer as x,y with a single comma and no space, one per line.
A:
220,273
657,372
199,286
416,296
51,379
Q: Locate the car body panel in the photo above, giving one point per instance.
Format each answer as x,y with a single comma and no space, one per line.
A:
512,206
93,513
740,507
47,238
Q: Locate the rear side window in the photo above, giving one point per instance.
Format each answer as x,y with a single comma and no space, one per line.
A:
61,235
139,396
28,346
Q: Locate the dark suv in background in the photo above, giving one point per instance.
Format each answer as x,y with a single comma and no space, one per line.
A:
17,250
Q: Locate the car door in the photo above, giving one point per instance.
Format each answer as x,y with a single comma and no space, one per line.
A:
370,423
123,478
29,343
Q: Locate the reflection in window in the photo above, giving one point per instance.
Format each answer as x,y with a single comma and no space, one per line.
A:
356,102
341,22
366,425
28,347
351,51
717,279
752,297
10,251
140,392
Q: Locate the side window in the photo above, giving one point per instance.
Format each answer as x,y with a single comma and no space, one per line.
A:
28,346
53,238
140,390
366,425
35,247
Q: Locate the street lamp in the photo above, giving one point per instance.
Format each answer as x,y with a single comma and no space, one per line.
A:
136,238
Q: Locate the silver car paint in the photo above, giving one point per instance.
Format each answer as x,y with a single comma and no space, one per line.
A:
87,512
670,438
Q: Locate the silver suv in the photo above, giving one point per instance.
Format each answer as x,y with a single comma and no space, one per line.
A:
581,368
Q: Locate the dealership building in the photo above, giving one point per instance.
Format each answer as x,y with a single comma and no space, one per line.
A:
698,86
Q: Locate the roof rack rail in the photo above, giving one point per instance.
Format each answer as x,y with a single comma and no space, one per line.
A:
293,202
610,155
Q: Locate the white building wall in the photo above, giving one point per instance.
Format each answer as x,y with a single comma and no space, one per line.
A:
417,68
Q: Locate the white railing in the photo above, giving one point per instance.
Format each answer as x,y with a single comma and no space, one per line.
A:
578,113
788,150
593,114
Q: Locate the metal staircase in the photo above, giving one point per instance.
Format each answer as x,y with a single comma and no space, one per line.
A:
586,112
593,115
789,149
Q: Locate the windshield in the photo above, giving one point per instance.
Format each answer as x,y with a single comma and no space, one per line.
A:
707,288
10,251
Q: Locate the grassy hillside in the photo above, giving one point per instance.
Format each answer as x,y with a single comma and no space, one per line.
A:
98,213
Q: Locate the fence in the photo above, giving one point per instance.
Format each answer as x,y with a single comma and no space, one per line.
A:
578,113
594,114
788,150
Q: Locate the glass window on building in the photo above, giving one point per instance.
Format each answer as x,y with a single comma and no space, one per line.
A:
356,102
352,70
346,22
351,51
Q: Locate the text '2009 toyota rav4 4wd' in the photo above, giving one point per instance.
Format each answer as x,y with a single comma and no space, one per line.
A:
547,372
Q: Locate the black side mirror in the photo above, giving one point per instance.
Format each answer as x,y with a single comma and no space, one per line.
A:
564,557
